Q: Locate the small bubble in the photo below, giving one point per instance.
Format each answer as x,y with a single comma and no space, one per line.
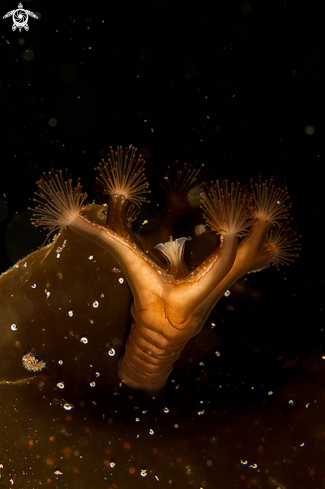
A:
166,410
92,384
95,304
137,420
90,257
143,473
70,314
67,406
60,362
121,280
217,353
60,385
151,432
112,465
84,340
33,286
13,327
227,293
176,425
270,393
111,352
97,374
291,402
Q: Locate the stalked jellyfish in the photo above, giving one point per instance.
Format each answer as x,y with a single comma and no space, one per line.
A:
171,300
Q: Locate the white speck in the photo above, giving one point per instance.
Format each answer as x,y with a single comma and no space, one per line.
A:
156,477
213,325
270,393
70,314
58,255
90,257
95,304
112,465
60,385
137,420
97,375
84,340
13,327
67,406
151,432
244,462
60,362
227,293
176,426
217,353
58,472
143,473
166,410
33,286
307,405
47,293
291,402
302,444
92,384
121,280
111,352
200,412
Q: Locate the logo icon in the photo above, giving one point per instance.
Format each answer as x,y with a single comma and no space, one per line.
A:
20,18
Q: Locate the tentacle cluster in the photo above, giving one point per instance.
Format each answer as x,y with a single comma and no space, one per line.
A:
227,208
59,202
123,174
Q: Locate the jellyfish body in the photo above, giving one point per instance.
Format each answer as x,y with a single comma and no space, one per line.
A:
171,302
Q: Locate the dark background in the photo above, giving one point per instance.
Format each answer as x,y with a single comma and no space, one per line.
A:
237,85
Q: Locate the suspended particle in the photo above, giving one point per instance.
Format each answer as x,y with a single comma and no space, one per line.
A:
95,304
121,280
92,384
60,385
112,465
111,352
13,327
70,314
31,363
151,431
166,410
84,340
227,293
143,473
